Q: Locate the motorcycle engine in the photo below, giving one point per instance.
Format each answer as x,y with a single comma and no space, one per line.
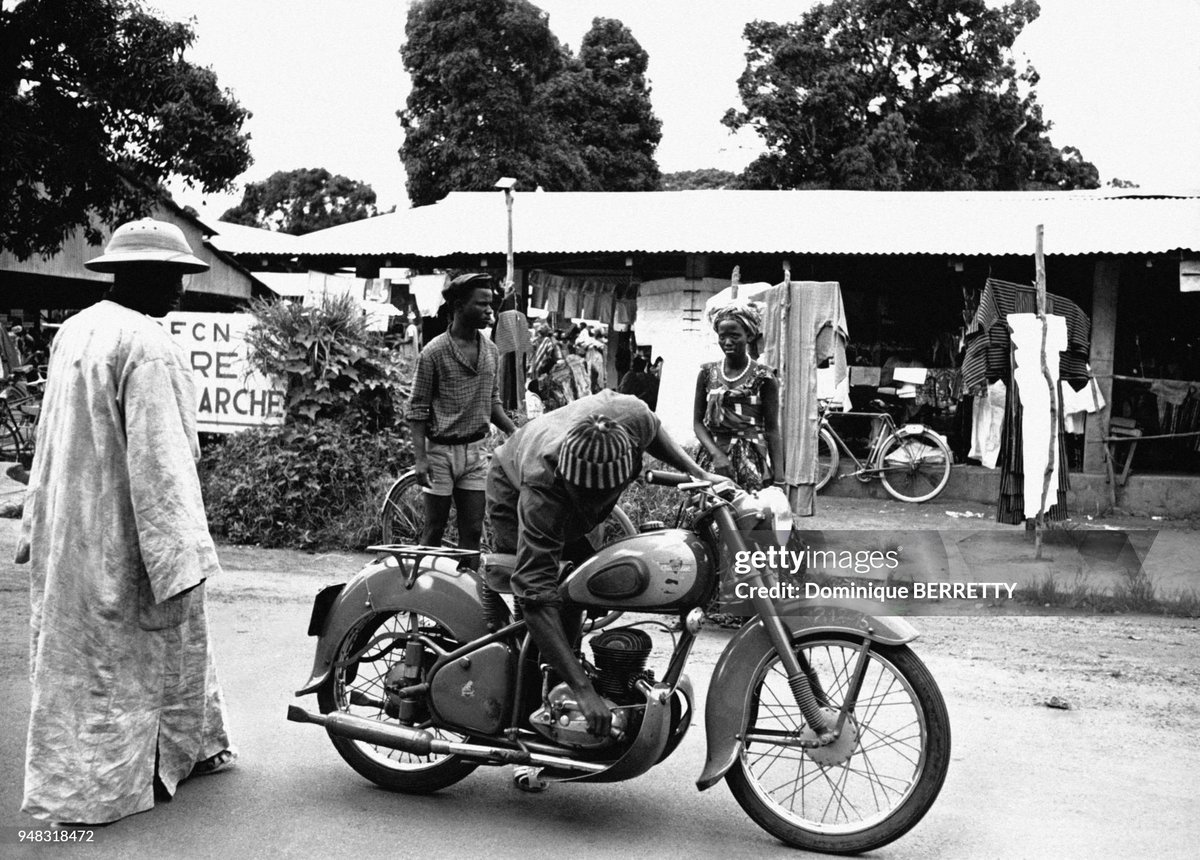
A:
621,660
561,721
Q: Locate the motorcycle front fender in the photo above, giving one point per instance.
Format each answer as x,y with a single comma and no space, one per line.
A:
440,591
729,693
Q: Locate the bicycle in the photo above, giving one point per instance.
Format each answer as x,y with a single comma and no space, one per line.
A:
911,461
402,516
18,427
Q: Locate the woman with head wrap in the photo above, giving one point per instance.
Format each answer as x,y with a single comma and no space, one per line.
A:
736,411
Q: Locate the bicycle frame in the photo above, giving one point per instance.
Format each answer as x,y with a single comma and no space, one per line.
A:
863,469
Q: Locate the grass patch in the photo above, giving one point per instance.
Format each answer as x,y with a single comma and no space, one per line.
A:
1136,594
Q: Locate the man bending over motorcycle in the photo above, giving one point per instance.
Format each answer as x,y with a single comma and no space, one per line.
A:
554,481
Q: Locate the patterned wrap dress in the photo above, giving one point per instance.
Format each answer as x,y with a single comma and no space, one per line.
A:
735,418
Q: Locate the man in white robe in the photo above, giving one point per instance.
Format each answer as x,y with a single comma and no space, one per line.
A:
124,689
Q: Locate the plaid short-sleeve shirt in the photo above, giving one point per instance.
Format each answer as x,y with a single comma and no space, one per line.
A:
453,397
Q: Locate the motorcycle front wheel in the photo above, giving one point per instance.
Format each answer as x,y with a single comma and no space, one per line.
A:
871,785
365,656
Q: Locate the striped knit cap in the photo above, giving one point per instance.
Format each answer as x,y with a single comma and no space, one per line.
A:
597,454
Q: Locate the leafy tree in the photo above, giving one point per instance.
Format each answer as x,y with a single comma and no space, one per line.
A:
604,102
97,109
919,94
704,179
475,111
495,94
303,200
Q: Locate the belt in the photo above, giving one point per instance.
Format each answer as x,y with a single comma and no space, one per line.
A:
456,440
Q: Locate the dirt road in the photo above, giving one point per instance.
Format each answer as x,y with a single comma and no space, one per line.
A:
1116,775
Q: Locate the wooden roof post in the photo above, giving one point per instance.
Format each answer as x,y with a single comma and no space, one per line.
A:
734,280
1051,384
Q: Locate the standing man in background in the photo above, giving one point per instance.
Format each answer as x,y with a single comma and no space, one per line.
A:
455,394
125,695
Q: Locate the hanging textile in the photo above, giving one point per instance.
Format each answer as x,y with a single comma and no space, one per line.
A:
987,423
427,290
512,341
987,351
1028,431
804,326
1078,403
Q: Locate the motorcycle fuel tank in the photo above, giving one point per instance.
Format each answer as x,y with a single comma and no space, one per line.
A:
661,570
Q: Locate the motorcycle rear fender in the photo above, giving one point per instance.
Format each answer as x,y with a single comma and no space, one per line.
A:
728,704
440,591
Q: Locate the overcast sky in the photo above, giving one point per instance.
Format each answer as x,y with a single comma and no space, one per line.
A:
1120,80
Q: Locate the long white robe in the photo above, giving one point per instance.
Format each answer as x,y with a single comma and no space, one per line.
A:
119,549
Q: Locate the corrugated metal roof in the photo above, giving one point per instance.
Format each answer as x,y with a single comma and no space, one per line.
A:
290,285
239,239
797,222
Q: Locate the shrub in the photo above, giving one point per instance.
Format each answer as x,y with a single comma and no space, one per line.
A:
334,366
313,485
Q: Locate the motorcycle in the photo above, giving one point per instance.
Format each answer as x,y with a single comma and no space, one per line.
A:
829,731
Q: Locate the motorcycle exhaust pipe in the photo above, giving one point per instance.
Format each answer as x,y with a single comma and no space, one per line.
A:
402,738
422,743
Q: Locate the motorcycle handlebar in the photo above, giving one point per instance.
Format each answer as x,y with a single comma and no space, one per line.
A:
667,479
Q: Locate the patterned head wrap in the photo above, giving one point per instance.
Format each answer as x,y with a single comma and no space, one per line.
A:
746,313
597,454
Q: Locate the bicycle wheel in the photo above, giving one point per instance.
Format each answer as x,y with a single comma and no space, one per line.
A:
871,785
403,513
914,466
827,458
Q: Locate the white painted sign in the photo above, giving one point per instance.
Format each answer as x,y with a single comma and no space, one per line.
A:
230,395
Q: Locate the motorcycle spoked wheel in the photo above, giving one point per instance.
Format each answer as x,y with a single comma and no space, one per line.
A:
864,794
357,689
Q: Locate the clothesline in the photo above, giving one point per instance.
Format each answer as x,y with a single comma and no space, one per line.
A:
1156,436
1143,379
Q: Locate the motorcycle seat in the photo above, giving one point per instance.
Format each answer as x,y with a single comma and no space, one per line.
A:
498,569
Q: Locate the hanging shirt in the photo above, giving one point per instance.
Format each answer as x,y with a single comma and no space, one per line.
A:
115,533
512,341
427,290
987,424
1039,435
1077,405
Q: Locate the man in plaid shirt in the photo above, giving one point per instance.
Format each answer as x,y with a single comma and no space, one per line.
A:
455,394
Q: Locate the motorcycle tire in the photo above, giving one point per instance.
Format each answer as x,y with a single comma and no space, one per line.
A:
356,687
866,789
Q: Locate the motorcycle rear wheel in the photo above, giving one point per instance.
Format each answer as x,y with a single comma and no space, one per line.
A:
886,780
357,688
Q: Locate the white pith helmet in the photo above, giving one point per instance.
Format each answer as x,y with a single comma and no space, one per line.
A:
147,241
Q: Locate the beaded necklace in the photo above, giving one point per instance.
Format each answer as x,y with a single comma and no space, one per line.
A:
736,377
